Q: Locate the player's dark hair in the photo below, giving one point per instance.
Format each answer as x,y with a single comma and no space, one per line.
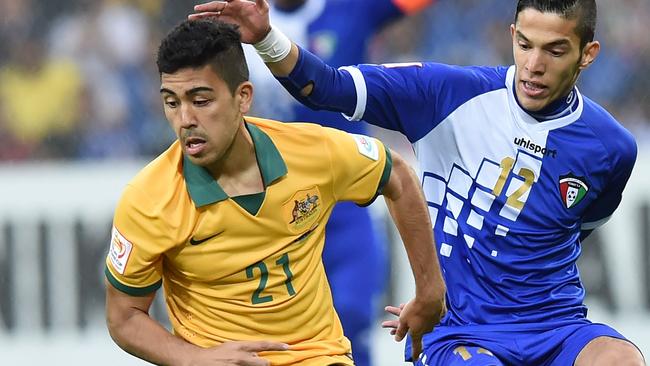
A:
196,43
582,10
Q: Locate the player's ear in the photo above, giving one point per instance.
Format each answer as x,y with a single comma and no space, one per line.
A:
244,94
589,54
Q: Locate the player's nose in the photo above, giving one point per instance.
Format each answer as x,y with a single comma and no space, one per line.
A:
535,62
187,117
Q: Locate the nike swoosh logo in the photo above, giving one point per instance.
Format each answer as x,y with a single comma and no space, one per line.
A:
199,241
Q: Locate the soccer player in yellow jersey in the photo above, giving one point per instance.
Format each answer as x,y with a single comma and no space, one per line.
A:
230,221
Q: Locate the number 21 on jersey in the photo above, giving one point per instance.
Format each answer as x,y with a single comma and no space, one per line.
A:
257,297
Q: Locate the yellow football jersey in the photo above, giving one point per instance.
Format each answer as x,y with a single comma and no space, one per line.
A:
247,267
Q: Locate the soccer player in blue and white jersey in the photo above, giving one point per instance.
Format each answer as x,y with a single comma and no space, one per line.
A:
517,167
338,32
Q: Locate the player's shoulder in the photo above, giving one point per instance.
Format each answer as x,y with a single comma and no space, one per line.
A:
164,167
287,132
613,135
305,139
160,179
483,77
457,83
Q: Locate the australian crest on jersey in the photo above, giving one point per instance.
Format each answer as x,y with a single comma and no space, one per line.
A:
303,209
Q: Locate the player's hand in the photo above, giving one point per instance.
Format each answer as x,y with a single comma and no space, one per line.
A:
415,318
236,354
394,323
252,17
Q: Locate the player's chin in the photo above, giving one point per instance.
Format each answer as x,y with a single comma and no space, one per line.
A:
534,104
202,159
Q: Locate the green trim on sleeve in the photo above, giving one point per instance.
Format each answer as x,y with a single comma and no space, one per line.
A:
133,291
388,167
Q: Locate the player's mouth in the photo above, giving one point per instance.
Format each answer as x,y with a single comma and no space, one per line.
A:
533,89
194,145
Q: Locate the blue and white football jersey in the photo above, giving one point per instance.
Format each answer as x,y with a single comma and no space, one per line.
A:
508,195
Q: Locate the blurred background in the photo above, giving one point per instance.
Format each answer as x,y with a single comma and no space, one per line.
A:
80,114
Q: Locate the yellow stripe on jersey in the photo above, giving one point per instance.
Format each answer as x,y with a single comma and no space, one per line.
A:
232,273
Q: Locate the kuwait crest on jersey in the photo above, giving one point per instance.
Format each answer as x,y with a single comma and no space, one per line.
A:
572,189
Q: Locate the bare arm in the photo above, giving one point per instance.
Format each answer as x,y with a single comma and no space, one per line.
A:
132,328
408,209
134,331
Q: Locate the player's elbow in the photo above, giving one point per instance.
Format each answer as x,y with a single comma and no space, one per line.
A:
123,326
120,314
117,323
114,327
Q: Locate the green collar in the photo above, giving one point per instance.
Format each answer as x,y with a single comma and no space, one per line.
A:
205,190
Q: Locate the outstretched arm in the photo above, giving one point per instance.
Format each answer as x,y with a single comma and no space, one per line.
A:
401,97
408,209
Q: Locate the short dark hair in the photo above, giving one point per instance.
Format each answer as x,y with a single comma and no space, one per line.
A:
582,10
197,43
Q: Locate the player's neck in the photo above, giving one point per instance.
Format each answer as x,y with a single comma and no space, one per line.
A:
238,172
558,108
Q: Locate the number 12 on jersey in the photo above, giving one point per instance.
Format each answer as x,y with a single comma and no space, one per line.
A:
507,164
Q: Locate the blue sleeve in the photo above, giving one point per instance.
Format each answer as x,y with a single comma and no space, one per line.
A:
334,89
414,98
410,98
623,151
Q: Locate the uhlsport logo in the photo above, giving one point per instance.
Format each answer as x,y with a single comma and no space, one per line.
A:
572,189
303,209
535,148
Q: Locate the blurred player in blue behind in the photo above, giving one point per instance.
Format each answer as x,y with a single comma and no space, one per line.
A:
517,167
338,31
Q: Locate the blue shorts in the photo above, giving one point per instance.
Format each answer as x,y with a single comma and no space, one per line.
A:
548,344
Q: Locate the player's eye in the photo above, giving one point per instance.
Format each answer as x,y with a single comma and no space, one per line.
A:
170,103
524,46
201,102
556,53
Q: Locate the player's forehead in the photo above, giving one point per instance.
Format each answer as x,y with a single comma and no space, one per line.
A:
189,80
546,28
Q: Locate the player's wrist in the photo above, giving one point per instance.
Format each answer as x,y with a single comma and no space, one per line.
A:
274,47
432,292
